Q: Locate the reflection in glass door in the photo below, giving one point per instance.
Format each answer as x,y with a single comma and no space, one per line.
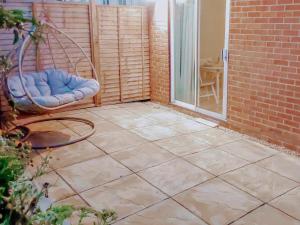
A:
184,50
212,16
199,39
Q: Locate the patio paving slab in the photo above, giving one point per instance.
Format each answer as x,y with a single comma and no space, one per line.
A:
126,196
116,141
188,126
69,155
58,189
86,115
175,176
36,161
289,203
165,213
85,175
147,110
216,137
183,144
110,114
156,132
259,182
283,164
167,117
143,156
156,166
47,126
101,127
134,122
249,151
217,202
77,201
216,162
267,215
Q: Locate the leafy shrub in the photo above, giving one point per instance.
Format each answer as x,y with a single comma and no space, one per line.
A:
20,199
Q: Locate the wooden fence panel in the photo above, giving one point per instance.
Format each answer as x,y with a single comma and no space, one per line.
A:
109,54
116,38
134,53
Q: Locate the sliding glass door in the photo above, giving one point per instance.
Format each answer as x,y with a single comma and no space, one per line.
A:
185,34
199,39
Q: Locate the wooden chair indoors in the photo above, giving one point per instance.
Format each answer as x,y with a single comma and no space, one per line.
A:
210,75
207,85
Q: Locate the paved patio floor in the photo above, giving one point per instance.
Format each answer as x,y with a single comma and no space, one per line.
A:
156,166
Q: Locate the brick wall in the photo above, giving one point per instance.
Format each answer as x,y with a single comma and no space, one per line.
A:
159,52
264,70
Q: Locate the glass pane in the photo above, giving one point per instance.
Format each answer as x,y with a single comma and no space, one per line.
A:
212,38
184,50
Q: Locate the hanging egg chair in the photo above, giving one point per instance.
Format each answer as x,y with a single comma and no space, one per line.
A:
60,78
58,82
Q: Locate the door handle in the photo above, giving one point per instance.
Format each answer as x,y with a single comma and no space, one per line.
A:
225,55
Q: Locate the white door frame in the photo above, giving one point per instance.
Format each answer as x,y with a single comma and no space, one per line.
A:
223,115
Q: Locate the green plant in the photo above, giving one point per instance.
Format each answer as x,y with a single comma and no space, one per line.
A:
20,198
14,156
16,21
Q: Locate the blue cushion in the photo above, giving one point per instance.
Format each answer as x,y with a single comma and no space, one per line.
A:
50,88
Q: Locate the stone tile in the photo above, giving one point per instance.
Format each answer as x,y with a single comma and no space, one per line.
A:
92,173
116,141
216,162
72,154
188,126
217,202
156,132
78,202
165,213
58,189
259,182
32,118
216,137
132,105
285,165
69,132
46,126
166,117
147,110
183,144
101,127
289,203
111,114
86,115
249,151
48,137
35,165
125,196
142,156
103,107
69,113
175,176
134,122
74,200
266,215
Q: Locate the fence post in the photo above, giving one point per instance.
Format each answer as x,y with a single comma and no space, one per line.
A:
94,34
